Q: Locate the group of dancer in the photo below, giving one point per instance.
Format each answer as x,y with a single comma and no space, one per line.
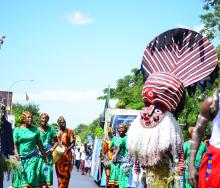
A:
33,149
176,60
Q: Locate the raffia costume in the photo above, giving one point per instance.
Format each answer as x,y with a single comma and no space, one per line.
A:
174,60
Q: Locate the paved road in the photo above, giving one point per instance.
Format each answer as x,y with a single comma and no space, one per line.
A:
77,181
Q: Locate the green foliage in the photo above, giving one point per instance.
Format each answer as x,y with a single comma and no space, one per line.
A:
81,130
18,109
188,116
128,91
94,129
211,18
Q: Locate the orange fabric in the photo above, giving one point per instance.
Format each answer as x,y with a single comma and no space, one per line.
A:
64,165
106,150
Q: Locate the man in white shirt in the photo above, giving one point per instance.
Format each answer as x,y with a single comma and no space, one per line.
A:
77,158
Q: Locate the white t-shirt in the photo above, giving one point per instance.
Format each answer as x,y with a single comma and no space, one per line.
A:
77,154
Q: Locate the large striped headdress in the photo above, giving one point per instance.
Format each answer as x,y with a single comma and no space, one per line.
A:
174,60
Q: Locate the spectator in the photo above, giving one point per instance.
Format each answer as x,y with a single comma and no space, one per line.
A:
6,139
88,159
77,158
82,158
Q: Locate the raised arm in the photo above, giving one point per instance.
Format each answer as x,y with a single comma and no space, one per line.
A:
206,114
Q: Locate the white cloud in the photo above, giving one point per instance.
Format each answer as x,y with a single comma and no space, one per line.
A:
78,18
60,96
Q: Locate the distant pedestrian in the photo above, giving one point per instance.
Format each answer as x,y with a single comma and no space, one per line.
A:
82,159
88,159
64,165
77,158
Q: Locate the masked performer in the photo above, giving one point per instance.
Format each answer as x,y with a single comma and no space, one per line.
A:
48,136
174,60
64,165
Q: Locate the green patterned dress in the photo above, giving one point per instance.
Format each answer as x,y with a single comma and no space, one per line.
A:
46,173
26,140
117,175
124,174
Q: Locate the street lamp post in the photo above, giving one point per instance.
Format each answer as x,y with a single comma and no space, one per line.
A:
9,107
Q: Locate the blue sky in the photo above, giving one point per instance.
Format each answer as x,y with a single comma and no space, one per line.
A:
74,49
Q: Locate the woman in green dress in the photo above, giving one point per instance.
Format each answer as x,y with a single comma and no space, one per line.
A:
201,151
27,144
48,136
118,177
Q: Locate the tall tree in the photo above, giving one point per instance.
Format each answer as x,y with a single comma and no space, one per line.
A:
94,129
211,18
127,91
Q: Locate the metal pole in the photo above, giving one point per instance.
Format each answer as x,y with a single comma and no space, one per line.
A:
14,83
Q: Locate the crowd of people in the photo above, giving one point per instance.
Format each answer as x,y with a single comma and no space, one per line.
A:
34,151
83,158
